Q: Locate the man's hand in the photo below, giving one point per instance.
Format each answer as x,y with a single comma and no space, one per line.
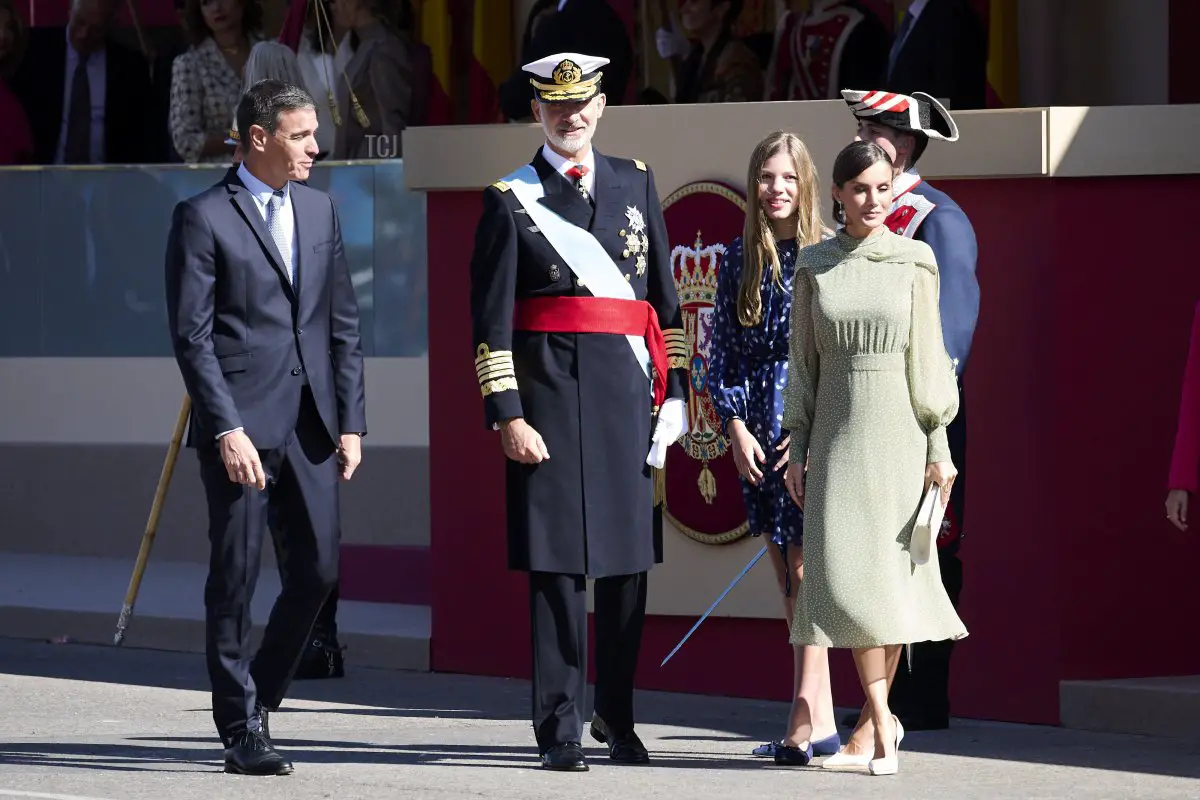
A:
521,442
241,460
349,453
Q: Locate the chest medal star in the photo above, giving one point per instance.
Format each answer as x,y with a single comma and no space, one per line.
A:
636,241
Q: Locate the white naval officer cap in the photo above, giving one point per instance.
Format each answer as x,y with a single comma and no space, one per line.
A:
565,77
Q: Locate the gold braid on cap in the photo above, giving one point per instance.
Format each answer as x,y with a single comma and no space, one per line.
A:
567,84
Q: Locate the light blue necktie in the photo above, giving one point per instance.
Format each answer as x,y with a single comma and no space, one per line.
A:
901,34
275,225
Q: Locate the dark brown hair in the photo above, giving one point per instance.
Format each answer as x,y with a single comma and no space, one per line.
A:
197,29
20,38
855,158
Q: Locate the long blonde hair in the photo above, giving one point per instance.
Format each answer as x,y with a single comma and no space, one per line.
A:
758,238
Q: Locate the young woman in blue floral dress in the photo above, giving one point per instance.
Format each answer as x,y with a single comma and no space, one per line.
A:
749,366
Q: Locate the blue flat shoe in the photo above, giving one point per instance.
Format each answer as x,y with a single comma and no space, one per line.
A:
827,746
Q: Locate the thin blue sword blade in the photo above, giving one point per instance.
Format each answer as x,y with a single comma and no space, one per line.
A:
716,602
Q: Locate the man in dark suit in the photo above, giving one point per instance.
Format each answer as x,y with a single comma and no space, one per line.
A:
940,48
577,25
574,311
87,96
264,323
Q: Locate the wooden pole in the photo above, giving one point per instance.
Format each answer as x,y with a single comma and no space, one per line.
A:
164,481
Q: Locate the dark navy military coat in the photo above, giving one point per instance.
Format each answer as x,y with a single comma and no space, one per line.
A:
588,509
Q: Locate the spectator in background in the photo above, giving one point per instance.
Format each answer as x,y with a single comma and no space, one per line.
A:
940,48
577,26
267,59
718,67
803,64
206,81
16,139
85,94
386,88
323,52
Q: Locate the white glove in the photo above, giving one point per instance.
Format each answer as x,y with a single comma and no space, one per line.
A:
671,43
672,423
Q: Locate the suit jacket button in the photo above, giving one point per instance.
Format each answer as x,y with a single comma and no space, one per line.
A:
295,370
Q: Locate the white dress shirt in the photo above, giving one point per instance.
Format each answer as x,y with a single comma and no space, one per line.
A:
98,88
262,196
562,165
261,193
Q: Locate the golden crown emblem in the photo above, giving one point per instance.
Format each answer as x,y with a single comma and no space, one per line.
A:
567,72
696,271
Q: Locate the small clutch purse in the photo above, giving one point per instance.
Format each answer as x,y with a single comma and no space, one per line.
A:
929,523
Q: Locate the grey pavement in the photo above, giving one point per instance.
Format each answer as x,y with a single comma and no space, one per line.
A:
101,723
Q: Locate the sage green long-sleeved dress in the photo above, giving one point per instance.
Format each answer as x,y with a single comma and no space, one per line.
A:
870,391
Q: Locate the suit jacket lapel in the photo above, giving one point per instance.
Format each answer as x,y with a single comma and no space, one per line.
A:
249,210
609,198
560,196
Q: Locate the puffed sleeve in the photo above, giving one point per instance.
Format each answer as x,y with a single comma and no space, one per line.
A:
728,384
932,384
804,368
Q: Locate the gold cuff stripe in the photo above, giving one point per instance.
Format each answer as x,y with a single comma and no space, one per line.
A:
495,373
502,385
674,333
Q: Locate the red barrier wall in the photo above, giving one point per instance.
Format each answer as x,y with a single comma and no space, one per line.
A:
1071,568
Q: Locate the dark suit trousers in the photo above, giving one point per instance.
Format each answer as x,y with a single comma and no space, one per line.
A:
925,691
558,614
302,491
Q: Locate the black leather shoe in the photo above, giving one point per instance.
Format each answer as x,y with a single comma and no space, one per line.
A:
625,748
566,757
251,753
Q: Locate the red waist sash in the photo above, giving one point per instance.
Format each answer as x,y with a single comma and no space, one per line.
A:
598,315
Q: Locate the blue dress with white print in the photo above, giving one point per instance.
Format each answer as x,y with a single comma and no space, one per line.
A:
748,368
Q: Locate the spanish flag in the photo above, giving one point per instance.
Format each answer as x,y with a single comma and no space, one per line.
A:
1003,68
491,58
437,32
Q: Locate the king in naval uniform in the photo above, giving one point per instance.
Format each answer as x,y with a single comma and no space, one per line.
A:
903,125
582,365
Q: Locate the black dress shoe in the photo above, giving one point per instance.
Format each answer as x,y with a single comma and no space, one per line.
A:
566,757
251,753
625,748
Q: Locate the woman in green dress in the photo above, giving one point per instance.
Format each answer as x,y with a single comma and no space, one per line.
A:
870,391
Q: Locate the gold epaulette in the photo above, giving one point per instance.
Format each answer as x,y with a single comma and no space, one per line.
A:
494,370
501,185
640,164
679,350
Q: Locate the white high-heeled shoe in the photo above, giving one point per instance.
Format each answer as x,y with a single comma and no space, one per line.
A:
888,765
